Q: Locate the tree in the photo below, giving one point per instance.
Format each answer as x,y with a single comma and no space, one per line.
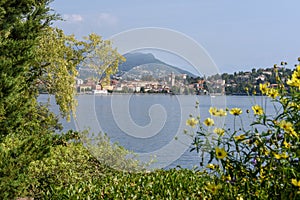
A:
33,55
55,65
21,23
57,59
99,55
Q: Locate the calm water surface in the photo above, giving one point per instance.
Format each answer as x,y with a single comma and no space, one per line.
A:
139,106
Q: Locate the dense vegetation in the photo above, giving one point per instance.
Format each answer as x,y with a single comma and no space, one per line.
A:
239,82
33,53
36,162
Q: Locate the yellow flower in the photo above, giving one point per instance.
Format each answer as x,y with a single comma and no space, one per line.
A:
286,126
228,178
257,110
212,111
221,113
217,112
235,111
211,166
277,156
192,122
209,122
295,81
284,155
219,131
220,153
213,188
292,132
239,137
273,93
295,182
264,88
286,145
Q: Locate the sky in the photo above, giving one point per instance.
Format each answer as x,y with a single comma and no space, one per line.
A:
237,35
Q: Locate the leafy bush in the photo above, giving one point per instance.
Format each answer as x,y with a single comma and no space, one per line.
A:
70,171
17,152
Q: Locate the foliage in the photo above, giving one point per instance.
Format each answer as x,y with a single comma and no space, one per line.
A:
237,82
99,56
58,56
262,162
33,54
72,163
70,171
161,184
54,67
22,22
16,155
112,154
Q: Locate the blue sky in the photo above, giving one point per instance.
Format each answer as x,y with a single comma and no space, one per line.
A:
238,35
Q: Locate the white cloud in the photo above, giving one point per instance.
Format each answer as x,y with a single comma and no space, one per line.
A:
73,18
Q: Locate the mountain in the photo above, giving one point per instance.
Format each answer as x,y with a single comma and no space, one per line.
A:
148,62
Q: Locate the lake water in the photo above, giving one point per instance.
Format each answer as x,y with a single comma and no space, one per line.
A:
157,118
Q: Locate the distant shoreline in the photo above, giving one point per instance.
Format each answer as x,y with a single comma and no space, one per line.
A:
119,93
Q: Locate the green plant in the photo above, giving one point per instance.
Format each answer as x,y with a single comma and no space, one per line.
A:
262,162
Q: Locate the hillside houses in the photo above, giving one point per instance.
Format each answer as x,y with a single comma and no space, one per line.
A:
237,82
182,84
171,84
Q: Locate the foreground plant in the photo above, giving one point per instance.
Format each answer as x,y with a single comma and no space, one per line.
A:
35,56
262,162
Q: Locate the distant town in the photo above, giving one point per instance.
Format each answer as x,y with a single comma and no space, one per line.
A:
229,84
173,84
